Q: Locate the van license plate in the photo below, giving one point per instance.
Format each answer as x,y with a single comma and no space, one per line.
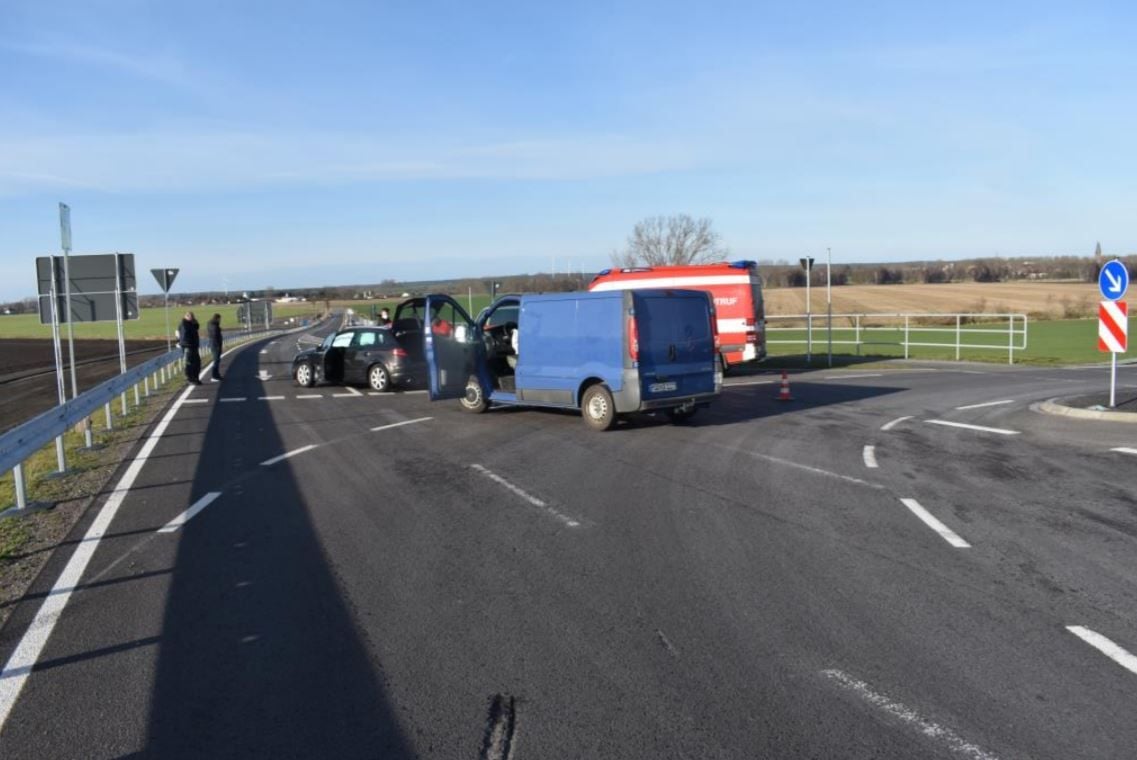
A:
662,387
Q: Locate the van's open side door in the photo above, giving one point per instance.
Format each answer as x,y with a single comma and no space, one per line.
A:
451,347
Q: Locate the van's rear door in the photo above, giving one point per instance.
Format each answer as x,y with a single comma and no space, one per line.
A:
450,345
676,344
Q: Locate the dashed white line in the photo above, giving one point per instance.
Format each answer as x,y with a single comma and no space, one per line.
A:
411,393
1124,450
311,395
987,403
894,423
229,399
196,401
946,533
750,382
568,521
1105,646
270,398
289,454
188,515
850,377
905,714
400,424
869,455
965,426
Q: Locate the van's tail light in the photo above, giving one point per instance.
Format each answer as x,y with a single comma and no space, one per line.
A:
400,352
633,339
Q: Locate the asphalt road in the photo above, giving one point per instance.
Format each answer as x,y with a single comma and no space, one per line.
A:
745,586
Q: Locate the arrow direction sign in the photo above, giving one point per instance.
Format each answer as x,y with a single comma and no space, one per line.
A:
165,278
1113,280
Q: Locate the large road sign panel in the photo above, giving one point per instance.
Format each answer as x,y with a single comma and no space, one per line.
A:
1113,280
1113,327
94,280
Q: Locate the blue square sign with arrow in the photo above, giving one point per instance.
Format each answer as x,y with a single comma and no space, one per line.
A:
1113,280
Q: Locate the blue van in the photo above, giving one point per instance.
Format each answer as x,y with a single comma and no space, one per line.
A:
606,353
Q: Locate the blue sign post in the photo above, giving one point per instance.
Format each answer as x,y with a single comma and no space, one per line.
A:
1113,280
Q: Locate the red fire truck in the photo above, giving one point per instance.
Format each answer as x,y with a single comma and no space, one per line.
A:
736,288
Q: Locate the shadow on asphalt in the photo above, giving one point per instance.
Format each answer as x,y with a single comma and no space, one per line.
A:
259,656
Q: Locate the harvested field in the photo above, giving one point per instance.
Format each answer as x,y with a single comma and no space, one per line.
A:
1041,300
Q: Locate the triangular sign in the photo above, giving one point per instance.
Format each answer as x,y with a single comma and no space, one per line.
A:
165,278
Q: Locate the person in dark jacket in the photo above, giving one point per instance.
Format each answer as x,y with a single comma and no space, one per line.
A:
213,329
190,343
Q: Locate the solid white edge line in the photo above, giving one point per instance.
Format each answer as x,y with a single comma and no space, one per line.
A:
946,533
188,515
1124,450
986,403
288,454
31,644
751,382
869,455
907,715
850,377
570,522
965,426
400,424
800,466
894,423
1105,646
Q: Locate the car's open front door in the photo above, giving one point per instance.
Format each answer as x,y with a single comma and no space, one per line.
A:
451,347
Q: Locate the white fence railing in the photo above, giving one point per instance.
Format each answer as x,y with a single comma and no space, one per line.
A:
960,331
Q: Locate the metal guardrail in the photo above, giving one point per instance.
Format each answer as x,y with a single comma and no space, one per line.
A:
23,441
866,329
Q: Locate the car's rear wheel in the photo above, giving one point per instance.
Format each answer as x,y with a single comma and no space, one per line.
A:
598,408
378,378
475,400
305,375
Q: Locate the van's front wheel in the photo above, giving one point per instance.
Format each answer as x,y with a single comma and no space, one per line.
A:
474,401
598,408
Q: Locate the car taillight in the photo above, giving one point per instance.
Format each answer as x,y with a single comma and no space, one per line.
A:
633,339
401,352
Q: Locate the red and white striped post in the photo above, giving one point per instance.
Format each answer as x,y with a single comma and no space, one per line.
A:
1113,336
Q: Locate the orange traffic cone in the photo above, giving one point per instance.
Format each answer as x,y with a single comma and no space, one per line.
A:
784,393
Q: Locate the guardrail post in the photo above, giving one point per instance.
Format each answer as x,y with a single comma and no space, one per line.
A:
137,399
21,487
88,437
125,409
146,386
958,333
1010,339
110,417
60,455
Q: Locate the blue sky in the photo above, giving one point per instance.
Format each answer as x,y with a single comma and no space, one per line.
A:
292,144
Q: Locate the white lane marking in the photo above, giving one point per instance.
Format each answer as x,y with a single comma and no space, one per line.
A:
288,454
850,377
188,515
270,398
196,401
27,652
311,395
570,522
905,714
232,398
987,403
1124,450
1105,646
980,428
969,371
400,424
894,423
805,467
410,393
352,391
750,382
869,455
264,350
946,533
346,395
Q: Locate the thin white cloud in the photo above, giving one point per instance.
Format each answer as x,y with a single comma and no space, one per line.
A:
217,160
162,68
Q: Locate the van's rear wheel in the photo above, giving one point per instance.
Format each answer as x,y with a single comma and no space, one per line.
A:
598,408
475,400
